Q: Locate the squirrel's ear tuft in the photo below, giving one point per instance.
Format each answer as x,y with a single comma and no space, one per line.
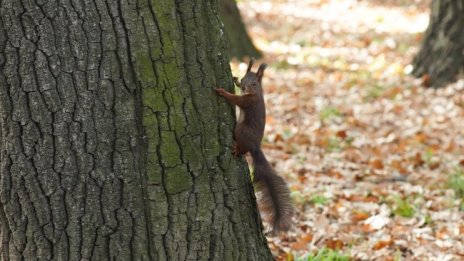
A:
250,64
260,71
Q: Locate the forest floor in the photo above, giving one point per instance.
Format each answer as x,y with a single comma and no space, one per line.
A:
373,158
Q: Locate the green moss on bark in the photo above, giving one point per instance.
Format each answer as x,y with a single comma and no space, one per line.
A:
177,179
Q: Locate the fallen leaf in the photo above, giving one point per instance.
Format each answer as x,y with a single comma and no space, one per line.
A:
302,242
382,244
398,165
426,80
359,216
442,233
434,165
421,137
360,198
335,174
418,161
376,164
341,134
334,244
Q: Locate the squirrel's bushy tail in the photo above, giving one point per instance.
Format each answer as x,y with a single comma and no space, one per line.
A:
272,193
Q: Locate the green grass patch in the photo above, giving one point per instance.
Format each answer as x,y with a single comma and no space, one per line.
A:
456,182
287,133
329,112
375,92
397,256
298,197
428,220
319,200
334,144
282,65
428,156
325,254
403,208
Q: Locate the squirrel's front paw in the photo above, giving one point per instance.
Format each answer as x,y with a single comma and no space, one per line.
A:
220,91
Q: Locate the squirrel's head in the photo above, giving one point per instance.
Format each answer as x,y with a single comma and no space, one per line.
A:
251,82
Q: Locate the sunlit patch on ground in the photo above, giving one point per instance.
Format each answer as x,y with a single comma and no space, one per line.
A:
374,159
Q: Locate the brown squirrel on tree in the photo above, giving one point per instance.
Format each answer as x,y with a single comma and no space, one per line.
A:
273,193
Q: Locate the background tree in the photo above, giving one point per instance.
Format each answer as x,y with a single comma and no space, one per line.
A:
441,56
239,42
113,143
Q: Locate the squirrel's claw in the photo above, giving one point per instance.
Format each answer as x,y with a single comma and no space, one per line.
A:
220,91
235,150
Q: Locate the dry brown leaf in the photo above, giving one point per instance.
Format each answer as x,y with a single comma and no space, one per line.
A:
434,165
334,174
421,137
285,257
426,80
376,164
322,142
402,146
451,147
360,198
302,242
461,162
398,109
443,233
392,92
302,171
382,244
304,228
272,146
359,216
341,134
302,178
398,165
334,244
300,139
418,161
366,40
269,119
353,155
399,230
278,137
366,228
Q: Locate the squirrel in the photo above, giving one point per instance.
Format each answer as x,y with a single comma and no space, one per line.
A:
273,194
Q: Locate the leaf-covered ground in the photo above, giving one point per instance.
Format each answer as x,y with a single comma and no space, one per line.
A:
374,160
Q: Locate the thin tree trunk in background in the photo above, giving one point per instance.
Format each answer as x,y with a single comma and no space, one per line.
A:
441,56
113,144
239,42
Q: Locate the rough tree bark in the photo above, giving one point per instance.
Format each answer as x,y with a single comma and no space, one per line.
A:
239,42
113,144
441,56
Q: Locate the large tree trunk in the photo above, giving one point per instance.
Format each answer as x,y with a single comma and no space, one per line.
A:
441,56
239,42
113,144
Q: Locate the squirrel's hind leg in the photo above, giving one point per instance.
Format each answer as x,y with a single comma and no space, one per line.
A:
236,151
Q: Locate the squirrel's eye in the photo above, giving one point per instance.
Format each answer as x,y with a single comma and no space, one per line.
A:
254,84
